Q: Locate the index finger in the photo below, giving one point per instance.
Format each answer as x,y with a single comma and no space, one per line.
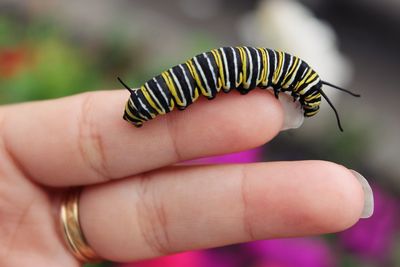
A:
83,140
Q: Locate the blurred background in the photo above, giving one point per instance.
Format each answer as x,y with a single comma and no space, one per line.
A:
52,49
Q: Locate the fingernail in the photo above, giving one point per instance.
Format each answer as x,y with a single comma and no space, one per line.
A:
294,115
368,209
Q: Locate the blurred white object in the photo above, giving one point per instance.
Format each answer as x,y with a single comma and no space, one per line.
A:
289,26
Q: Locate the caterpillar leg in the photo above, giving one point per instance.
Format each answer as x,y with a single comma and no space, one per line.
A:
244,92
295,96
211,97
276,92
136,123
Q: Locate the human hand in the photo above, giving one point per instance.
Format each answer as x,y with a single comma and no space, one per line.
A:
135,203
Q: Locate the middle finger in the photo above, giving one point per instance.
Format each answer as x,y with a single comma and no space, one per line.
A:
83,140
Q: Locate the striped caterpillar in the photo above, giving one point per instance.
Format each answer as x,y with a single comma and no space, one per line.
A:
223,69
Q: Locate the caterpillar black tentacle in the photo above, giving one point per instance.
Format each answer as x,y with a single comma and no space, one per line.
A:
223,69
341,89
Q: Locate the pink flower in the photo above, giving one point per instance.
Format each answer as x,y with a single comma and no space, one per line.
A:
372,238
294,252
187,259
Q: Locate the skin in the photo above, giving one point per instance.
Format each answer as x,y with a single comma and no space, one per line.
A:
136,203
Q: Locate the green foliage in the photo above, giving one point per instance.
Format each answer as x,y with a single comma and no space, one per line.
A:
39,63
56,70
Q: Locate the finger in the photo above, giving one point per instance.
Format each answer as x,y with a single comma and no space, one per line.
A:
186,208
83,139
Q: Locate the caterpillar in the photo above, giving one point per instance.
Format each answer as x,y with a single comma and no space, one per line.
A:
223,69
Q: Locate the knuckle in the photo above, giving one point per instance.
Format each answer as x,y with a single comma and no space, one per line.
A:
90,141
172,134
247,217
152,217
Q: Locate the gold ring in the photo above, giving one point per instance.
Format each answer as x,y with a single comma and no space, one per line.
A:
71,228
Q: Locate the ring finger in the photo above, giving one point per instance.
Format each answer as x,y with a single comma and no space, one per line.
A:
184,208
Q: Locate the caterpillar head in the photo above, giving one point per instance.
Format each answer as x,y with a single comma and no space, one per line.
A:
128,112
311,100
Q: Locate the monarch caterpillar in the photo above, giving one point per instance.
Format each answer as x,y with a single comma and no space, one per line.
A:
241,68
